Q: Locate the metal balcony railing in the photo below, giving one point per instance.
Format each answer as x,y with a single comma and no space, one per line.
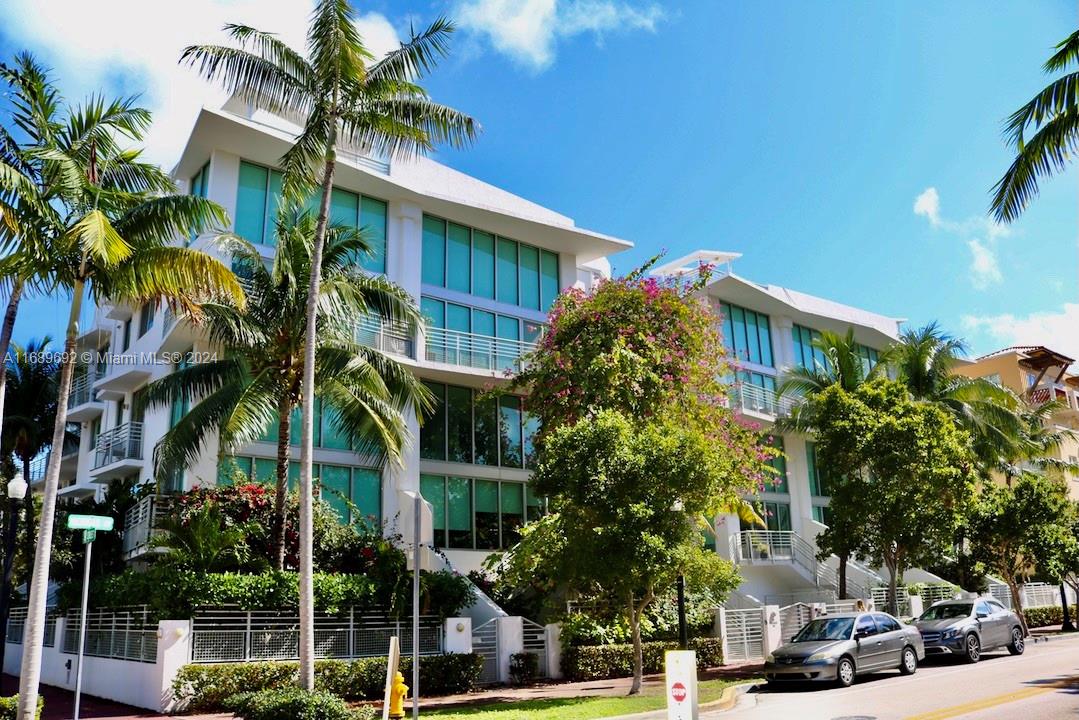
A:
82,388
787,547
476,351
384,337
141,524
752,398
123,442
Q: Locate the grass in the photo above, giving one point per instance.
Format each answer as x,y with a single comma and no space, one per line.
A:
581,708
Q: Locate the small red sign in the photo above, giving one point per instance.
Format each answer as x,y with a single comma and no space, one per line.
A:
678,692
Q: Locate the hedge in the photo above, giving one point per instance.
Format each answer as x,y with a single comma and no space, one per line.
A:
208,687
9,707
1049,615
601,662
295,704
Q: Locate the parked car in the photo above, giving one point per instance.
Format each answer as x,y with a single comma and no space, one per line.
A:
970,627
839,647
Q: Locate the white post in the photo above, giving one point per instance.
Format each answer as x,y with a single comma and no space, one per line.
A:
511,640
916,605
721,632
458,633
417,523
173,652
88,535
771,632
552,636
817,610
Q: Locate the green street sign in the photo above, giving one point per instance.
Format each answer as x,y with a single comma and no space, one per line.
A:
88,536
89,522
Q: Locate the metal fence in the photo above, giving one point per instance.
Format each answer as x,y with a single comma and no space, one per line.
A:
229,634
744,635
121,633
535,642
123,442
793,618
880,599
384,336
1031,594
473,350
485,644
16,627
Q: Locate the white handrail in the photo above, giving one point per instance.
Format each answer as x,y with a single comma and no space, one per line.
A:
752,398
385,337
454,347
122,442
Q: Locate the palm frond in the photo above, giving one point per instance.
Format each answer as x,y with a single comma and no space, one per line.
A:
416,56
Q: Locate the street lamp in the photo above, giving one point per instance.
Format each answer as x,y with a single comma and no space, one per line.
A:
683,632
16,489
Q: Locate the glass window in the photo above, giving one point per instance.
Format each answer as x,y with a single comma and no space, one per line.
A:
822,514
530,277
483,264
276,182
885,623
334,482
777,516
779,464
513,512
865,626
434,251
819,484
127,334
746,334
738,318
266,471
529,429
433,431
510,431
146,317
344,207
753,346
459,261
506,276
251,203
486,515
333,436
508,328
537,506
459,318
373,221
294,474
231,469
434,311
459,497
459,418
549,285
433,490
180,407
367,495
486,431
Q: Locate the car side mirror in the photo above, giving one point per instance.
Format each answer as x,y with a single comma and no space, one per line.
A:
859,634
982,616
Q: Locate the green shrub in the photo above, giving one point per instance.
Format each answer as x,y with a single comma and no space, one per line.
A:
294,704
9,707
206,687
1049,615
524,667
601,662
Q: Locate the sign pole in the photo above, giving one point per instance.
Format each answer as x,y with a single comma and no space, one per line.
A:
88,540
417,518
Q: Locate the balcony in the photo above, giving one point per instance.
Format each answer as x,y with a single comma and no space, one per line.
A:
124,375
761,402
82,403
68,466
1064,394
482,352
118,452
141,525
384,337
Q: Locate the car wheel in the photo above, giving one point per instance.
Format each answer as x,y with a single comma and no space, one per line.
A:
972,648
1018,643
909,663
844,672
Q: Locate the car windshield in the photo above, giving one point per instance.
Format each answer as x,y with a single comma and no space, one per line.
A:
825,629
946,612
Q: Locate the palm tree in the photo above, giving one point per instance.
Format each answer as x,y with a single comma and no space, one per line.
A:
845,366
262,368
340,95
202,543
1035,449
1054,113
113,242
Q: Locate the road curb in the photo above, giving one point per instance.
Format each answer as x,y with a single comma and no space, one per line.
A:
726,701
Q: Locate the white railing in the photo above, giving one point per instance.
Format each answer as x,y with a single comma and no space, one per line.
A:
743,633
82,389
121,633
16,627
1031,594
141,524
388,338
123,442
880,599
477,351
785,546
229,634
751,398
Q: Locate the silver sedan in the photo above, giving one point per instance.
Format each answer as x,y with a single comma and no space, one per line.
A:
839,647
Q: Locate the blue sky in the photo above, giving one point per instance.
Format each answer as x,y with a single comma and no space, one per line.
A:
799,134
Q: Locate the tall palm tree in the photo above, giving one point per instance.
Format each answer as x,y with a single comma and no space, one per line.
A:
1054,114
111,241
844,366
365,391
1036,448
341,95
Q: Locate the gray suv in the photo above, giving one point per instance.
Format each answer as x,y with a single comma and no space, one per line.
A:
970,627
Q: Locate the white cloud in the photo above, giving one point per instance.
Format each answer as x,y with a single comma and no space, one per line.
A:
131,46
979,233
529,30
1057,330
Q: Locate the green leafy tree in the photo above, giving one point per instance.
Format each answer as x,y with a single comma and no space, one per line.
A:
1053,115
1014,528
913,465
257,384
342,96
1068,557
202,542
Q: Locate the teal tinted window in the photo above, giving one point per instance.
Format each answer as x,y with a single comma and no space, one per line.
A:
434,311
294,474
367,495
459,424
529,429
535,504
433,431
266,471
373,221
819,482
433,489
459,318
529,277
344,207
510,431
459,521
272,203
549,285
483,323
483,264
513,512
486,431
335,481
532,331
233,470
507,328
779,464
434,251
459,267
746,334
486,514
506,276
332,436
251,203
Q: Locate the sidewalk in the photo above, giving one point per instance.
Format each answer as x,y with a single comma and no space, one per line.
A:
59,704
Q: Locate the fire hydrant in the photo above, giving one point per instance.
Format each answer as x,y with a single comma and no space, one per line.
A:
398,692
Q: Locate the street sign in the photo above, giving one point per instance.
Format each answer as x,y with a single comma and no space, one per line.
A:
678,692
90,522
88,536
681,681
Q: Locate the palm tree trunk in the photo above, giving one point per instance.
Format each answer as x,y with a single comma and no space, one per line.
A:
30,673
307,418
11,527
28,519
5,339
284,411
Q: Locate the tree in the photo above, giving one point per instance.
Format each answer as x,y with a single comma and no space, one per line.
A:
1068,558
636,447
1014,528
1054,115
114,243
341,96
202,543
364,391
913,464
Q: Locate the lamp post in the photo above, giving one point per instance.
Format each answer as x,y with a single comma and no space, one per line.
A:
683,632
1067,625
16,489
